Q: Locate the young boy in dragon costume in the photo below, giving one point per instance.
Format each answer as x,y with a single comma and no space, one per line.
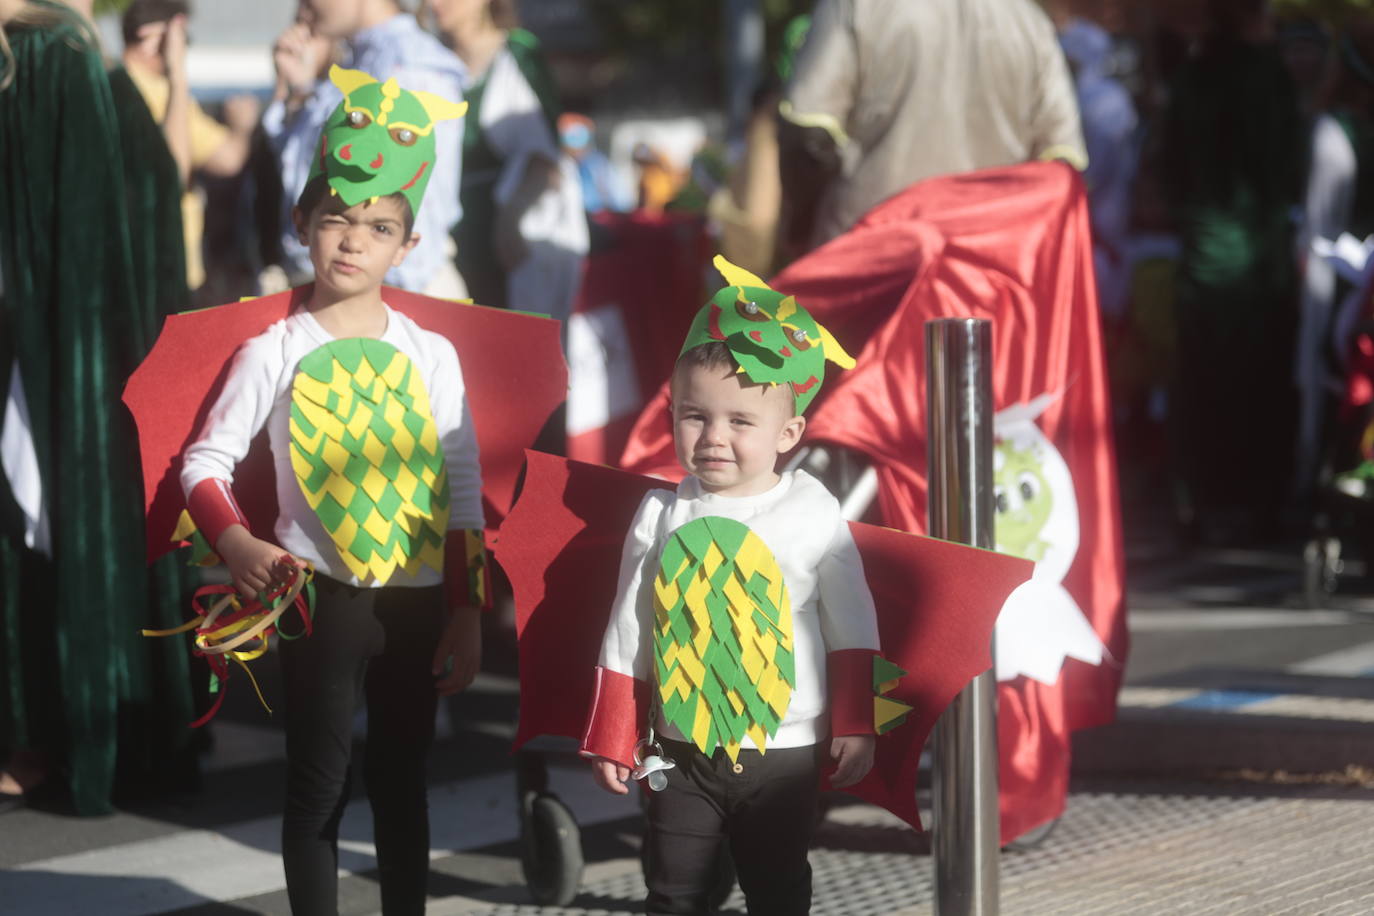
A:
742,601
378,489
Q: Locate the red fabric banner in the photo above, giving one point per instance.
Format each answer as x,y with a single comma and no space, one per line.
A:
1011,245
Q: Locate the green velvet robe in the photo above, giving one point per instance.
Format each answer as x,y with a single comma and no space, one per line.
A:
76,677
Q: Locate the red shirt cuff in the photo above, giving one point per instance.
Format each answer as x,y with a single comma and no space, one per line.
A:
619,713
213,509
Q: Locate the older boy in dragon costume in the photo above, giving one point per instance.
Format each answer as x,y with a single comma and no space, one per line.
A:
378,489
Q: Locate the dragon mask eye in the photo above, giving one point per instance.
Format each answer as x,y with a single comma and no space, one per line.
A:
750,311
358,119
404,136
799,338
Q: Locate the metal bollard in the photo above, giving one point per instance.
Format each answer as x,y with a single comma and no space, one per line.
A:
965,823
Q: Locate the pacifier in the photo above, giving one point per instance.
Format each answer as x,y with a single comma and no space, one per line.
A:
650,763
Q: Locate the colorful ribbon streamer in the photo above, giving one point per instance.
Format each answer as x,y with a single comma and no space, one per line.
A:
231,630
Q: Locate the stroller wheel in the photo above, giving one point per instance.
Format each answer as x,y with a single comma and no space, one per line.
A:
1322,567
550,849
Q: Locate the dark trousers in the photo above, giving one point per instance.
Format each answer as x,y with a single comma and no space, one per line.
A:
764,808
377,642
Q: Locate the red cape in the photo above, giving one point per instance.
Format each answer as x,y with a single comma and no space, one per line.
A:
561,543
1012,245
513,370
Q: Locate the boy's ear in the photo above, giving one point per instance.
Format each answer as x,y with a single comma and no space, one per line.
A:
791,434
299,221
405,249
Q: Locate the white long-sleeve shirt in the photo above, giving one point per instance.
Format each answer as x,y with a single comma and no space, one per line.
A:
257,393
396,48
801,524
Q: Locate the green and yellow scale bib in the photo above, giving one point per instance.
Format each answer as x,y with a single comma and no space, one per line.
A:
722,636
367,456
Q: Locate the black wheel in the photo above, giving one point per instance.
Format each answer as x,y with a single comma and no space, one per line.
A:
550,849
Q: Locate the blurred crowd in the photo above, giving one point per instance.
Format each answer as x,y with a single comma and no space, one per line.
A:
1224,152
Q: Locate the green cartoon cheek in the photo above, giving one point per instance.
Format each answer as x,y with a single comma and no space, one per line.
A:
1023,502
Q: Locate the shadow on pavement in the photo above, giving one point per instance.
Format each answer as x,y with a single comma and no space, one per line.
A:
43,891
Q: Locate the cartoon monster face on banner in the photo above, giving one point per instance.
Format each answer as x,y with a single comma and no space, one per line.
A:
1037,519
380,139
1037,513
773,339
1024,500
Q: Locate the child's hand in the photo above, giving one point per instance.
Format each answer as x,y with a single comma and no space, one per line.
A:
255,565
461,641
853,756
611,776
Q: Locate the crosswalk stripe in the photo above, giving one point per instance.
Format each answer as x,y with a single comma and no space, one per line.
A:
193,867
1236,618
1354,661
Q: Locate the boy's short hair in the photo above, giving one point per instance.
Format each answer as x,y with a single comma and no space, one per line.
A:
316,191
145,12
716,355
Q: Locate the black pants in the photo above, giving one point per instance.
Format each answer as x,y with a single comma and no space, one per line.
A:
765,811
377,641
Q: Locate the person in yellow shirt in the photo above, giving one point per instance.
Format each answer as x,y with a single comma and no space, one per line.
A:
155,58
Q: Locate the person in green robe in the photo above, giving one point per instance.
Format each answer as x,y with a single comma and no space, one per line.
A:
84,698
1233,164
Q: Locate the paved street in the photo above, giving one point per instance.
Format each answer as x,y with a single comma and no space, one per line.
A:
1239,779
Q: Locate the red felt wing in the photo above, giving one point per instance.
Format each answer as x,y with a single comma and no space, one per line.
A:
937,603
512,366
561,546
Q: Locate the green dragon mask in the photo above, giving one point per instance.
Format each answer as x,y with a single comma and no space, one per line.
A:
380,140
773,339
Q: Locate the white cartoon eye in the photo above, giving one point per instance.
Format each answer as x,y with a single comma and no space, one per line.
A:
358,119
1029,485
1000,498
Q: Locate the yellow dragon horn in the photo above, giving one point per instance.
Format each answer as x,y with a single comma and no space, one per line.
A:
439,108
737,276
348,80
833,351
